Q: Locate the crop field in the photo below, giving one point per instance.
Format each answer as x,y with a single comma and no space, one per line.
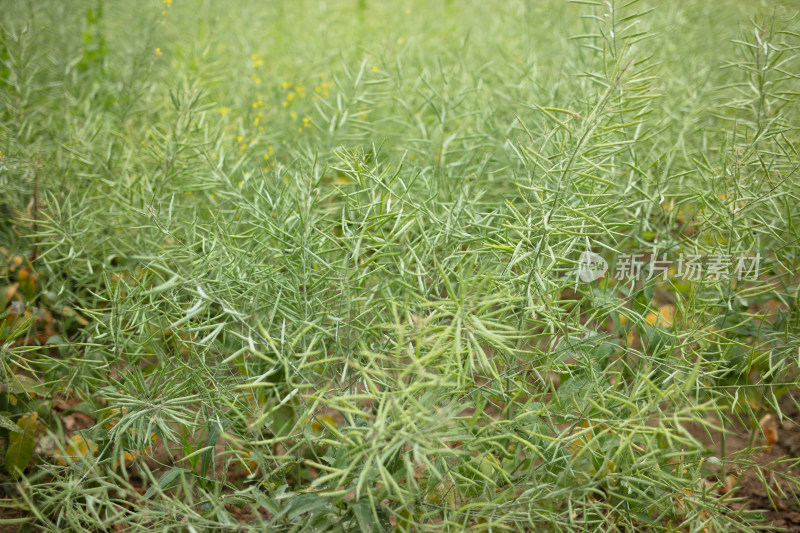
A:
413,266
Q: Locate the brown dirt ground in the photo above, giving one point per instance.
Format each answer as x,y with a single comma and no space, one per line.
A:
782,512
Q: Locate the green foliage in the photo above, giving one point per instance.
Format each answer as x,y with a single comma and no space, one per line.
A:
311,266
94,43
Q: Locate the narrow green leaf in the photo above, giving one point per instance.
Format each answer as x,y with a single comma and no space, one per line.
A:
168,477
364,517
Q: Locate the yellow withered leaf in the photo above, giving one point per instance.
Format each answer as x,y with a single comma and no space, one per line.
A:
769,426
21,444
78,447
663,317
319,423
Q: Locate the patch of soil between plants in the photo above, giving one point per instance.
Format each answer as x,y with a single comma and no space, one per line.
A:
782,514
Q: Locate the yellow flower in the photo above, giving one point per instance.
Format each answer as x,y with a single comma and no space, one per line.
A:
305,120
258,63
293,114
254,57
224,110
374,68
239,138
290,96
158,52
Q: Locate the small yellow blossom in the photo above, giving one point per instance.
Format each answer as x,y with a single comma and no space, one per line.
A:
286,84
266,157
239,138
224,110
285,103
293,114
290,96
158,52
257,104
254,57
258,63
299,130
374,68
305,120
